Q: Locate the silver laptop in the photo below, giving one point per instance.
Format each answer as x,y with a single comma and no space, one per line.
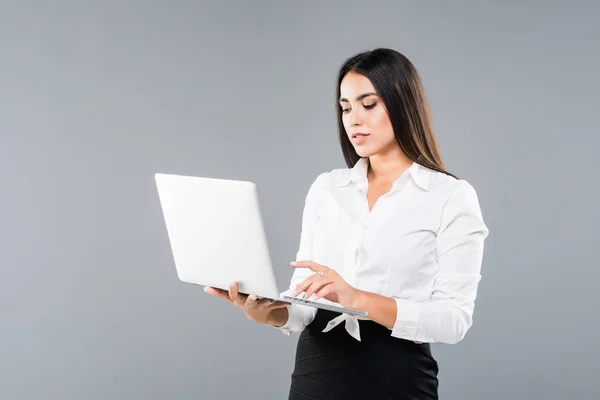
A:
217,236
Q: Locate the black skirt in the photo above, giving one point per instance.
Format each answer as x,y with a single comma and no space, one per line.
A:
334,365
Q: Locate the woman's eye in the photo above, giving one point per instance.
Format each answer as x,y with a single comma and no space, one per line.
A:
367,106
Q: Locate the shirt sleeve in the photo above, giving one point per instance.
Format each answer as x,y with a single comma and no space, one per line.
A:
299,315
448,315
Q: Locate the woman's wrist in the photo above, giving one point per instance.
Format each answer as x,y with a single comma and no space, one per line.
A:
359,301
381,309
278,317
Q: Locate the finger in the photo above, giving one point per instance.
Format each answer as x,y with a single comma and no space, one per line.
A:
278,304
269,304
263,303
313,266
317,285
302,286
220,293
325,291
237,299
251,301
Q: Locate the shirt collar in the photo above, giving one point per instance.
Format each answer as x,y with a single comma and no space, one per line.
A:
358,174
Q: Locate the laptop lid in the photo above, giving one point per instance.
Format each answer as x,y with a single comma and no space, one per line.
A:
216,233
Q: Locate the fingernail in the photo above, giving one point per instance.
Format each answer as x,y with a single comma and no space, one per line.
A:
293,263
206,288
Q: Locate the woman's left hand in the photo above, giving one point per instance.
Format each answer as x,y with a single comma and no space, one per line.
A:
325,283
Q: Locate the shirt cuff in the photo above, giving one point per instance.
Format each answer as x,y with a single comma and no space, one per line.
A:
407,320
298,317
287,327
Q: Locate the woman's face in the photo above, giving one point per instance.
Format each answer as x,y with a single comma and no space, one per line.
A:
364,116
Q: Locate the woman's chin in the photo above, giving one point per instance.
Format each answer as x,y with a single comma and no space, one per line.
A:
363,152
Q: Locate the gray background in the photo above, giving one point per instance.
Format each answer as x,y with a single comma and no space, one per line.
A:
97,97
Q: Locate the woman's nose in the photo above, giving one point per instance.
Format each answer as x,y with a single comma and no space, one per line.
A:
355,117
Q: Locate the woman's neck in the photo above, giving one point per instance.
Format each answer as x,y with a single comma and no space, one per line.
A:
389,167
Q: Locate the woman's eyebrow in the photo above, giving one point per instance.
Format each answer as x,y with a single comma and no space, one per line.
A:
362,96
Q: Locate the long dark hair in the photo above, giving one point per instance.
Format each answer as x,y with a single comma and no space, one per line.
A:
399,86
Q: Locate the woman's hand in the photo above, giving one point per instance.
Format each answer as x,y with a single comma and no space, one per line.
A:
326,283
259,311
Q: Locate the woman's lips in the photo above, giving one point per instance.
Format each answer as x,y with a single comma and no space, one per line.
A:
359,138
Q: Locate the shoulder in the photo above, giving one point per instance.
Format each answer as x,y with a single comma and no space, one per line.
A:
325,183
450,188
459,201
330,179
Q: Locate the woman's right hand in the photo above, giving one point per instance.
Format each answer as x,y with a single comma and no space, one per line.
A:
260,311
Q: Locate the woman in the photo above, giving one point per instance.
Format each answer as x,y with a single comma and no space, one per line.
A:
394,234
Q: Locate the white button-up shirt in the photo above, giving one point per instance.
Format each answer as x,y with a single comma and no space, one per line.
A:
421,244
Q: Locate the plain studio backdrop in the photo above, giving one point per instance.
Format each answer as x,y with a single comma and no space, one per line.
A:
98,96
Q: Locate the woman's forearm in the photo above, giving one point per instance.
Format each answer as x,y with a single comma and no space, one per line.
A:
278,317
380,309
